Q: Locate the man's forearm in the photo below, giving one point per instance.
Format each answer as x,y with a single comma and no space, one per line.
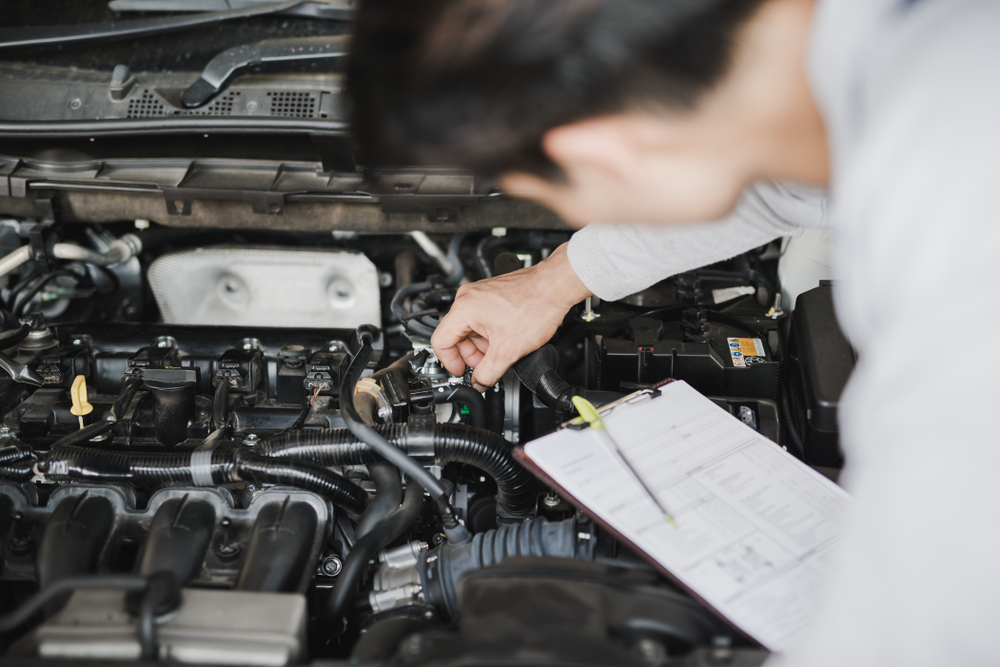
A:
613,261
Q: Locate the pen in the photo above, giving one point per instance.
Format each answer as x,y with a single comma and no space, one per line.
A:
590,415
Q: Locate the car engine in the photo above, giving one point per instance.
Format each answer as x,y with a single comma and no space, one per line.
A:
182,479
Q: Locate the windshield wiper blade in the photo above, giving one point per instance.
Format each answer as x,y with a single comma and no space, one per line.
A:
270,55
337,10
60,36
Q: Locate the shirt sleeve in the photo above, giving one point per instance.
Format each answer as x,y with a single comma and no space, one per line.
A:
615,260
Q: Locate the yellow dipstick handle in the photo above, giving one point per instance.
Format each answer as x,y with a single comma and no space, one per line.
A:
588,412
78,394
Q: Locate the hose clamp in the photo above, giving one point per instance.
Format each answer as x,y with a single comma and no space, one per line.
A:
201,467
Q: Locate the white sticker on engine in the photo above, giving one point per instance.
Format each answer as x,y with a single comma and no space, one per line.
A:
730,293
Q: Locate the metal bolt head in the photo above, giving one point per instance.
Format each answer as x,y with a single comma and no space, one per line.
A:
332,566
251,106
652,652
413,645
4,432
251,440
75,103
552,500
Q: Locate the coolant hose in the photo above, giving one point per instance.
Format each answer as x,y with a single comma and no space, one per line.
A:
200,468
457,443
366,548
465,394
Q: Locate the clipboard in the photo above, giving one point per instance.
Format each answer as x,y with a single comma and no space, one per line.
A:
736,445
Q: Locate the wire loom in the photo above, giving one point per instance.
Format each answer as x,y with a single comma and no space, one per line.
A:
225,467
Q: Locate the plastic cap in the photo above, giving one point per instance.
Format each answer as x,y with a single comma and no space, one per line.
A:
78,394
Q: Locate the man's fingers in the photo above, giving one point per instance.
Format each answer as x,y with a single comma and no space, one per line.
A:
470,353
491,368
445,342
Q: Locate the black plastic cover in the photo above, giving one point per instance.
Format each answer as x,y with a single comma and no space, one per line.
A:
822,361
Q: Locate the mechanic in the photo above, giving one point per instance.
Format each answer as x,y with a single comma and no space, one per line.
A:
672,111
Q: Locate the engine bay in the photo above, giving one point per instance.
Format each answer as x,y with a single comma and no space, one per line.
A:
181,471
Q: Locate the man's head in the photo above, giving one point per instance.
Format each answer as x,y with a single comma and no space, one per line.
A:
641,110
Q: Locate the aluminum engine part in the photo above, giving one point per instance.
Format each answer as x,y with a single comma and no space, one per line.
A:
266,287
210,627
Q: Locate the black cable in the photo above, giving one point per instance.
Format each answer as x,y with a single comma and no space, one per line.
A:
129,389
84,434
368,547
303,414
147,628
220,405
455,531
18,308
38,601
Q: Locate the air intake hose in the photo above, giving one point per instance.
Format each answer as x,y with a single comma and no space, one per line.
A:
200,469
457,443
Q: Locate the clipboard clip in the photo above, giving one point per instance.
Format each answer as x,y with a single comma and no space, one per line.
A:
579,423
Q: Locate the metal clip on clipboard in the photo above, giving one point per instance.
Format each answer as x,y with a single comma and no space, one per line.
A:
578,424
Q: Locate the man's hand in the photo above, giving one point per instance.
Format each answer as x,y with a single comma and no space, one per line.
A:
495,322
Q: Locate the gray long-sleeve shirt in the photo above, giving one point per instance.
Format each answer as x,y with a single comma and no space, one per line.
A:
910,94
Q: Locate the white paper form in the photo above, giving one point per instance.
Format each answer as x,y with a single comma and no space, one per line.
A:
755,527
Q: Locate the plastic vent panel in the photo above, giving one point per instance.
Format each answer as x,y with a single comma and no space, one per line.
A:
298,104
146,105
149,105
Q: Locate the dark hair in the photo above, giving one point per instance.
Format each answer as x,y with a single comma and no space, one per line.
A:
478,83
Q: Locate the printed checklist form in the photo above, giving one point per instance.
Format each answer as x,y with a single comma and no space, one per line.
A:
754,528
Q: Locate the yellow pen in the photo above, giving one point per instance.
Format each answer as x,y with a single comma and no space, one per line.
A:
590,415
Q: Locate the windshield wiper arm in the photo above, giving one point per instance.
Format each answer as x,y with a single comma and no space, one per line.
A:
337,10
270,55
45,37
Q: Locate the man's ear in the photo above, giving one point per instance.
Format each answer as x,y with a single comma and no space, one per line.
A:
600,144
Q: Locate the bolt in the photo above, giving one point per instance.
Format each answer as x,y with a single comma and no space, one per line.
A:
428,616
251,440
653,652
75,103
552,499
439,538
722,649
584,537
332,566
251,106
4,432
413,645
385,414
385,279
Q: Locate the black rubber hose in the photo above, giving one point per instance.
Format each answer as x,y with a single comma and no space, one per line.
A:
15,454
225,467
17,472
457,443
455,531
220,405
302,475
388,495
495,407
366,548
465,394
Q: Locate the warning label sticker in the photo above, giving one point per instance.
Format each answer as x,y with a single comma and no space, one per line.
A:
747,351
